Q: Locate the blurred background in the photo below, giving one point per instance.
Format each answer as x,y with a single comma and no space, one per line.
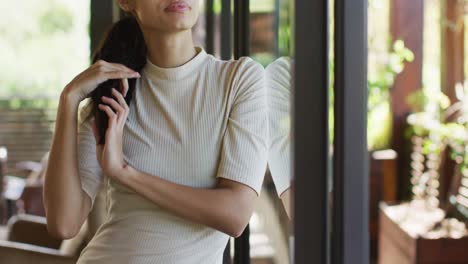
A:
417,121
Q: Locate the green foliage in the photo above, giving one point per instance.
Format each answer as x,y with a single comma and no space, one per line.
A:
456,132
256,6
261,6
439,132
420,100
285,26
217,6
44,44
379,83
15,103
55,20
379,118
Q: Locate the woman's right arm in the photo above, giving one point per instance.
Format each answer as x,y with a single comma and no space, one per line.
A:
66,204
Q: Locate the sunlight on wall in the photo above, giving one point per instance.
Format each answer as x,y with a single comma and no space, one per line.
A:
431,46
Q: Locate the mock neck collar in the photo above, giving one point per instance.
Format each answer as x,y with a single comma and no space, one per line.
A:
178,72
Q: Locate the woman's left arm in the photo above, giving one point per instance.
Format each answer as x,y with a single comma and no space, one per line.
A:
227,207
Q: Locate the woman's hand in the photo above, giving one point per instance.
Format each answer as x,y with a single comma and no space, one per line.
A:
110,155
101,71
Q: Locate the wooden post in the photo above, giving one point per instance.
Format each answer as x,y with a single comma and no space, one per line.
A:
452,53
452,69
406,23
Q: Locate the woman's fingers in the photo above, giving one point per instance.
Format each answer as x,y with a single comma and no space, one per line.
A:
119,75
84,83
123,104
116,106
121,67
110,114
105,71
99,75
120,98
125,87
120,106
109,65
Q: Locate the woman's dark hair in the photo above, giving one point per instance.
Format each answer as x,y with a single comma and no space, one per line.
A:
124,43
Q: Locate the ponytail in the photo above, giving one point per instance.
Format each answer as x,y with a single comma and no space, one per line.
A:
124,44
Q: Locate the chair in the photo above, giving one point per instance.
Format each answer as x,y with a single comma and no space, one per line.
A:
25,239
25,194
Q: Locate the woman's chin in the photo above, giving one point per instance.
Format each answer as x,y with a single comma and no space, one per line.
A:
170,28
171,23
180,25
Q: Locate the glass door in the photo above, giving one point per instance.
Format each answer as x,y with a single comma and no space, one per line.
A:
270,44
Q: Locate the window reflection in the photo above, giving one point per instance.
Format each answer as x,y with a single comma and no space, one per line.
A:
271,225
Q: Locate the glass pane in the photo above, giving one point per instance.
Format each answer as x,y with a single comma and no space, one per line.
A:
40,33
270,45
43,45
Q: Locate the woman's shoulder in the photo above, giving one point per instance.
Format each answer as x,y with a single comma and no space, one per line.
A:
241,67
249,65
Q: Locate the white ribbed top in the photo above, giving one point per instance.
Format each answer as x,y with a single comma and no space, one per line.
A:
189,125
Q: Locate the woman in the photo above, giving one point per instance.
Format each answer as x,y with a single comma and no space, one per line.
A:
183,160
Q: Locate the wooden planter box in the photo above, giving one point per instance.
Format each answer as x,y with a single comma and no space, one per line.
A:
382,187
398,246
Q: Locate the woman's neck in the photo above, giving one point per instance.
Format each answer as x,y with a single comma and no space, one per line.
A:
168,50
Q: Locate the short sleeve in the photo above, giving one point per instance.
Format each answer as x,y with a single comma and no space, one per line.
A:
89,169
278,78
244,145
